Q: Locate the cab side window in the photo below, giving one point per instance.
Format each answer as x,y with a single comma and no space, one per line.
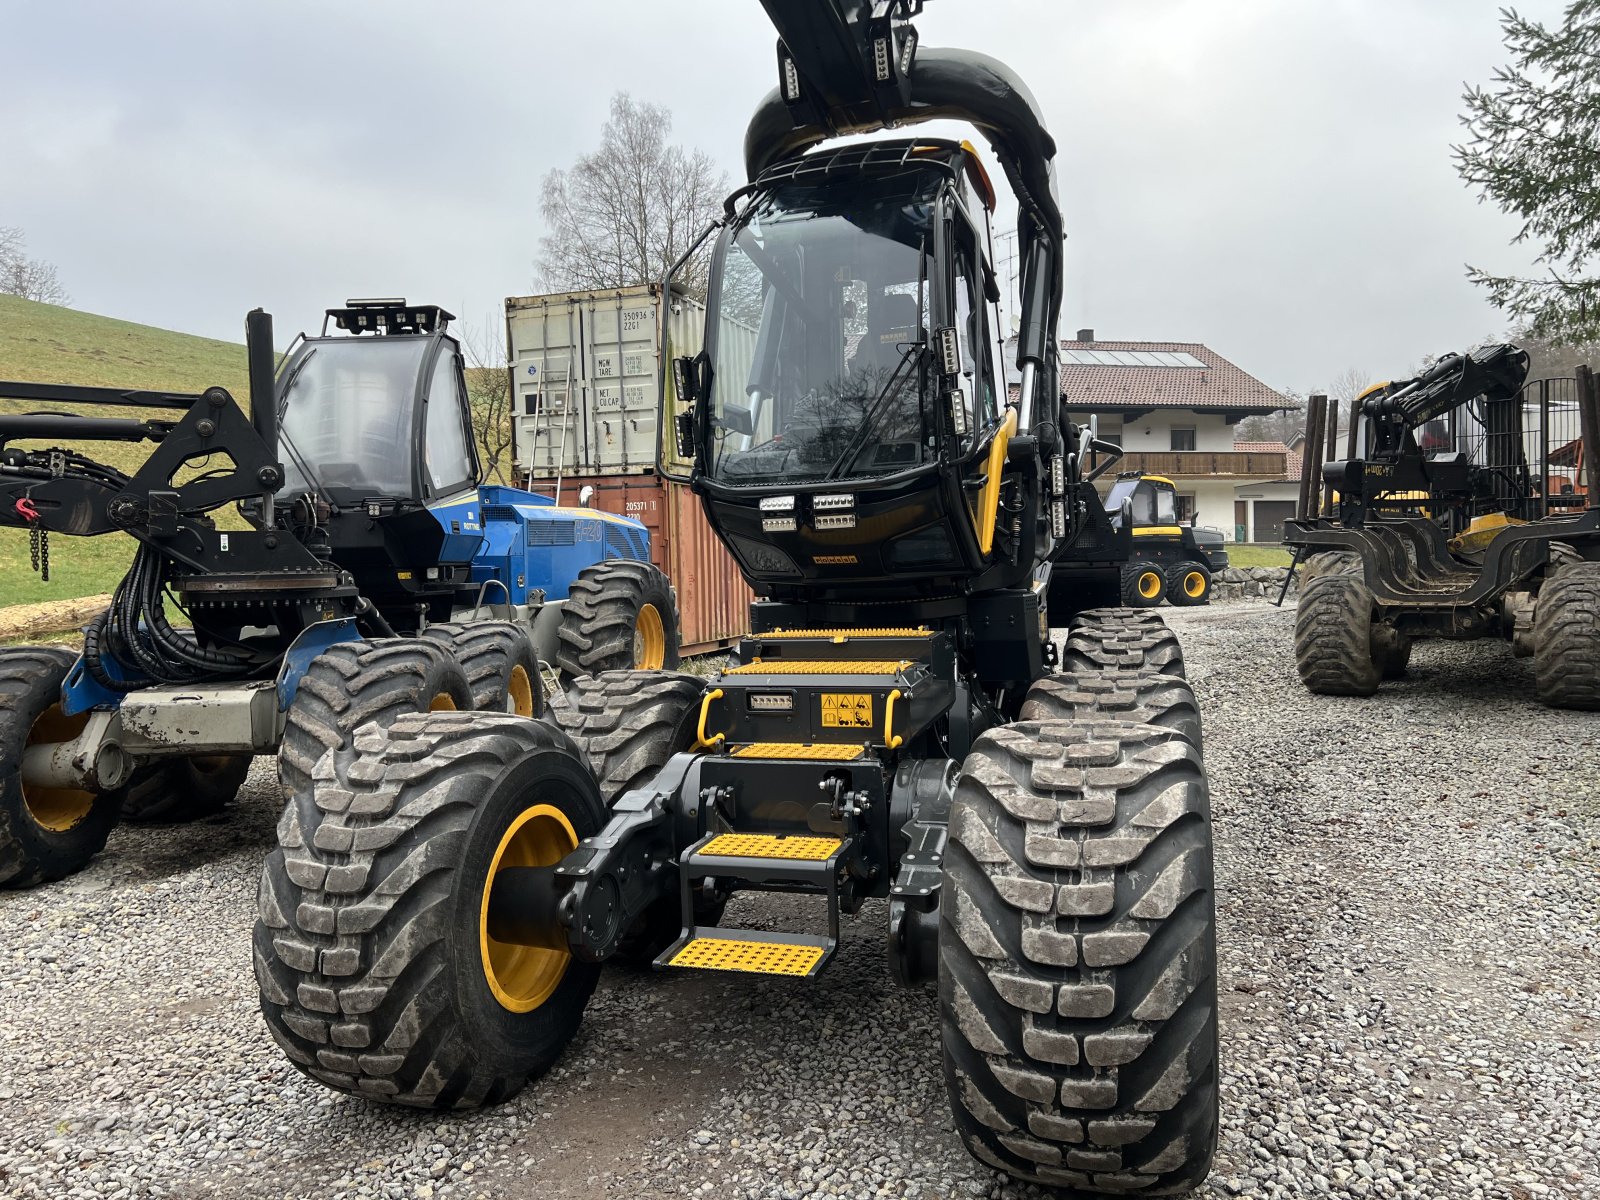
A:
977,365
446,453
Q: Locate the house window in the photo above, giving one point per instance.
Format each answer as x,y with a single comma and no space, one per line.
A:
1114,438
1182,439
1185,509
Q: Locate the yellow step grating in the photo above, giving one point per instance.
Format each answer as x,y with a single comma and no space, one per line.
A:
778,666
758,958
808,752
845,634
766,845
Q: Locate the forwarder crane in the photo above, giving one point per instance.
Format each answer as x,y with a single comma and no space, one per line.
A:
1442,527
899,726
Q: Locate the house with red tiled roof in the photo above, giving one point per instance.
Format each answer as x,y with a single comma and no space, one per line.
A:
1261,507
1172,407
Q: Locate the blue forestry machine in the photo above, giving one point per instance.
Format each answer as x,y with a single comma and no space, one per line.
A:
901,725
374,575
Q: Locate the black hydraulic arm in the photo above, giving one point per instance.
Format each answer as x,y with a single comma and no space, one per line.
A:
1496,373
855,66
62,393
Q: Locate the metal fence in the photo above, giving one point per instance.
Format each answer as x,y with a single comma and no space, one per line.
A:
1532,453
1532,450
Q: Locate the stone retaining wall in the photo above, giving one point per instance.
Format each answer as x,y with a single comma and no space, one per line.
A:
1250,583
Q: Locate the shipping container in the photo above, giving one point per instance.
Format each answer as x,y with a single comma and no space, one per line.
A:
585,371
713,599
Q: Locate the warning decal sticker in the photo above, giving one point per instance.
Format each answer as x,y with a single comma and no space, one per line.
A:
847,710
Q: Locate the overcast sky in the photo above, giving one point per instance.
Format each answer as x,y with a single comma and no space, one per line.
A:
1270,177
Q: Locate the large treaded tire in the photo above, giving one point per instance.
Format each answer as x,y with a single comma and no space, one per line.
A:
1333,637
1077,948
502,668
1121,641
1163,700
363,683
173,790
1144,584
603,616
367,947
627,724
1330,562
38,843
1188,585
1566,639
1118,617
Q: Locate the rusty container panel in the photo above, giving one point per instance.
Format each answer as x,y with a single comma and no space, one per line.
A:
713,598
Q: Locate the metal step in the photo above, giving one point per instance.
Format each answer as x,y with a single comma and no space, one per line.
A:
803,751
750,951
769,845
780,666
765,858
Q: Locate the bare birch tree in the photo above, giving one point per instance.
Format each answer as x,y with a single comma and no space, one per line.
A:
489,397
625,213
30,278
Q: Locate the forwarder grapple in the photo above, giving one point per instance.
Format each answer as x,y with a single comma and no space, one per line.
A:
1452,515
370,576
900,739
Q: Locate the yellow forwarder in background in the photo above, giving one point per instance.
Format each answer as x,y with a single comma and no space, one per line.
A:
1170,561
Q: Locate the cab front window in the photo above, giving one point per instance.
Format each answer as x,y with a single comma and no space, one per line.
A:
820,329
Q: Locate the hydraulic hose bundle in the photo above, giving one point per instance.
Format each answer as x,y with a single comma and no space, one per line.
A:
134,633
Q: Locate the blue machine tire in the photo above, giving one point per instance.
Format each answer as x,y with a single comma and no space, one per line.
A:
502,668
607,622
45,833
171,791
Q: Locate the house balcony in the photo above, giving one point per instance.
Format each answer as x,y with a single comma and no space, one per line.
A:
1181,464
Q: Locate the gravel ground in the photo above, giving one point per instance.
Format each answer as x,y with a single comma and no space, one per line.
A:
1411,999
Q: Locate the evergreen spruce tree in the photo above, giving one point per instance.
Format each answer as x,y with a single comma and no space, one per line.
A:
1535,152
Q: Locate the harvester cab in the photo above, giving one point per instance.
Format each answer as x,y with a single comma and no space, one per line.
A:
380,463
899,724
1171,559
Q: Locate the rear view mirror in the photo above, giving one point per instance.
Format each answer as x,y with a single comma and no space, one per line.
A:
738,418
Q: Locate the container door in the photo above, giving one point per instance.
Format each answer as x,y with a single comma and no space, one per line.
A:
620,332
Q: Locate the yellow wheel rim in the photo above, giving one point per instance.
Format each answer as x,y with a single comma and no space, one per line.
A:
649,640
1149,585
56,809
524,977
442,703
1194,585
519,692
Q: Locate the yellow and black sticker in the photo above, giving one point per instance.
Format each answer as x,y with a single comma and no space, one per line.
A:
834,560
847,710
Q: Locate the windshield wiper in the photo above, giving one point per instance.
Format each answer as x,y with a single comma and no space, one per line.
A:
913,353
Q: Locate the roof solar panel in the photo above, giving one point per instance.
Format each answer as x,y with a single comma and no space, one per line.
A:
1084,357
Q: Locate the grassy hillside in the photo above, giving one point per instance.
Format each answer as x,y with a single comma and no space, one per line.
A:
43,343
